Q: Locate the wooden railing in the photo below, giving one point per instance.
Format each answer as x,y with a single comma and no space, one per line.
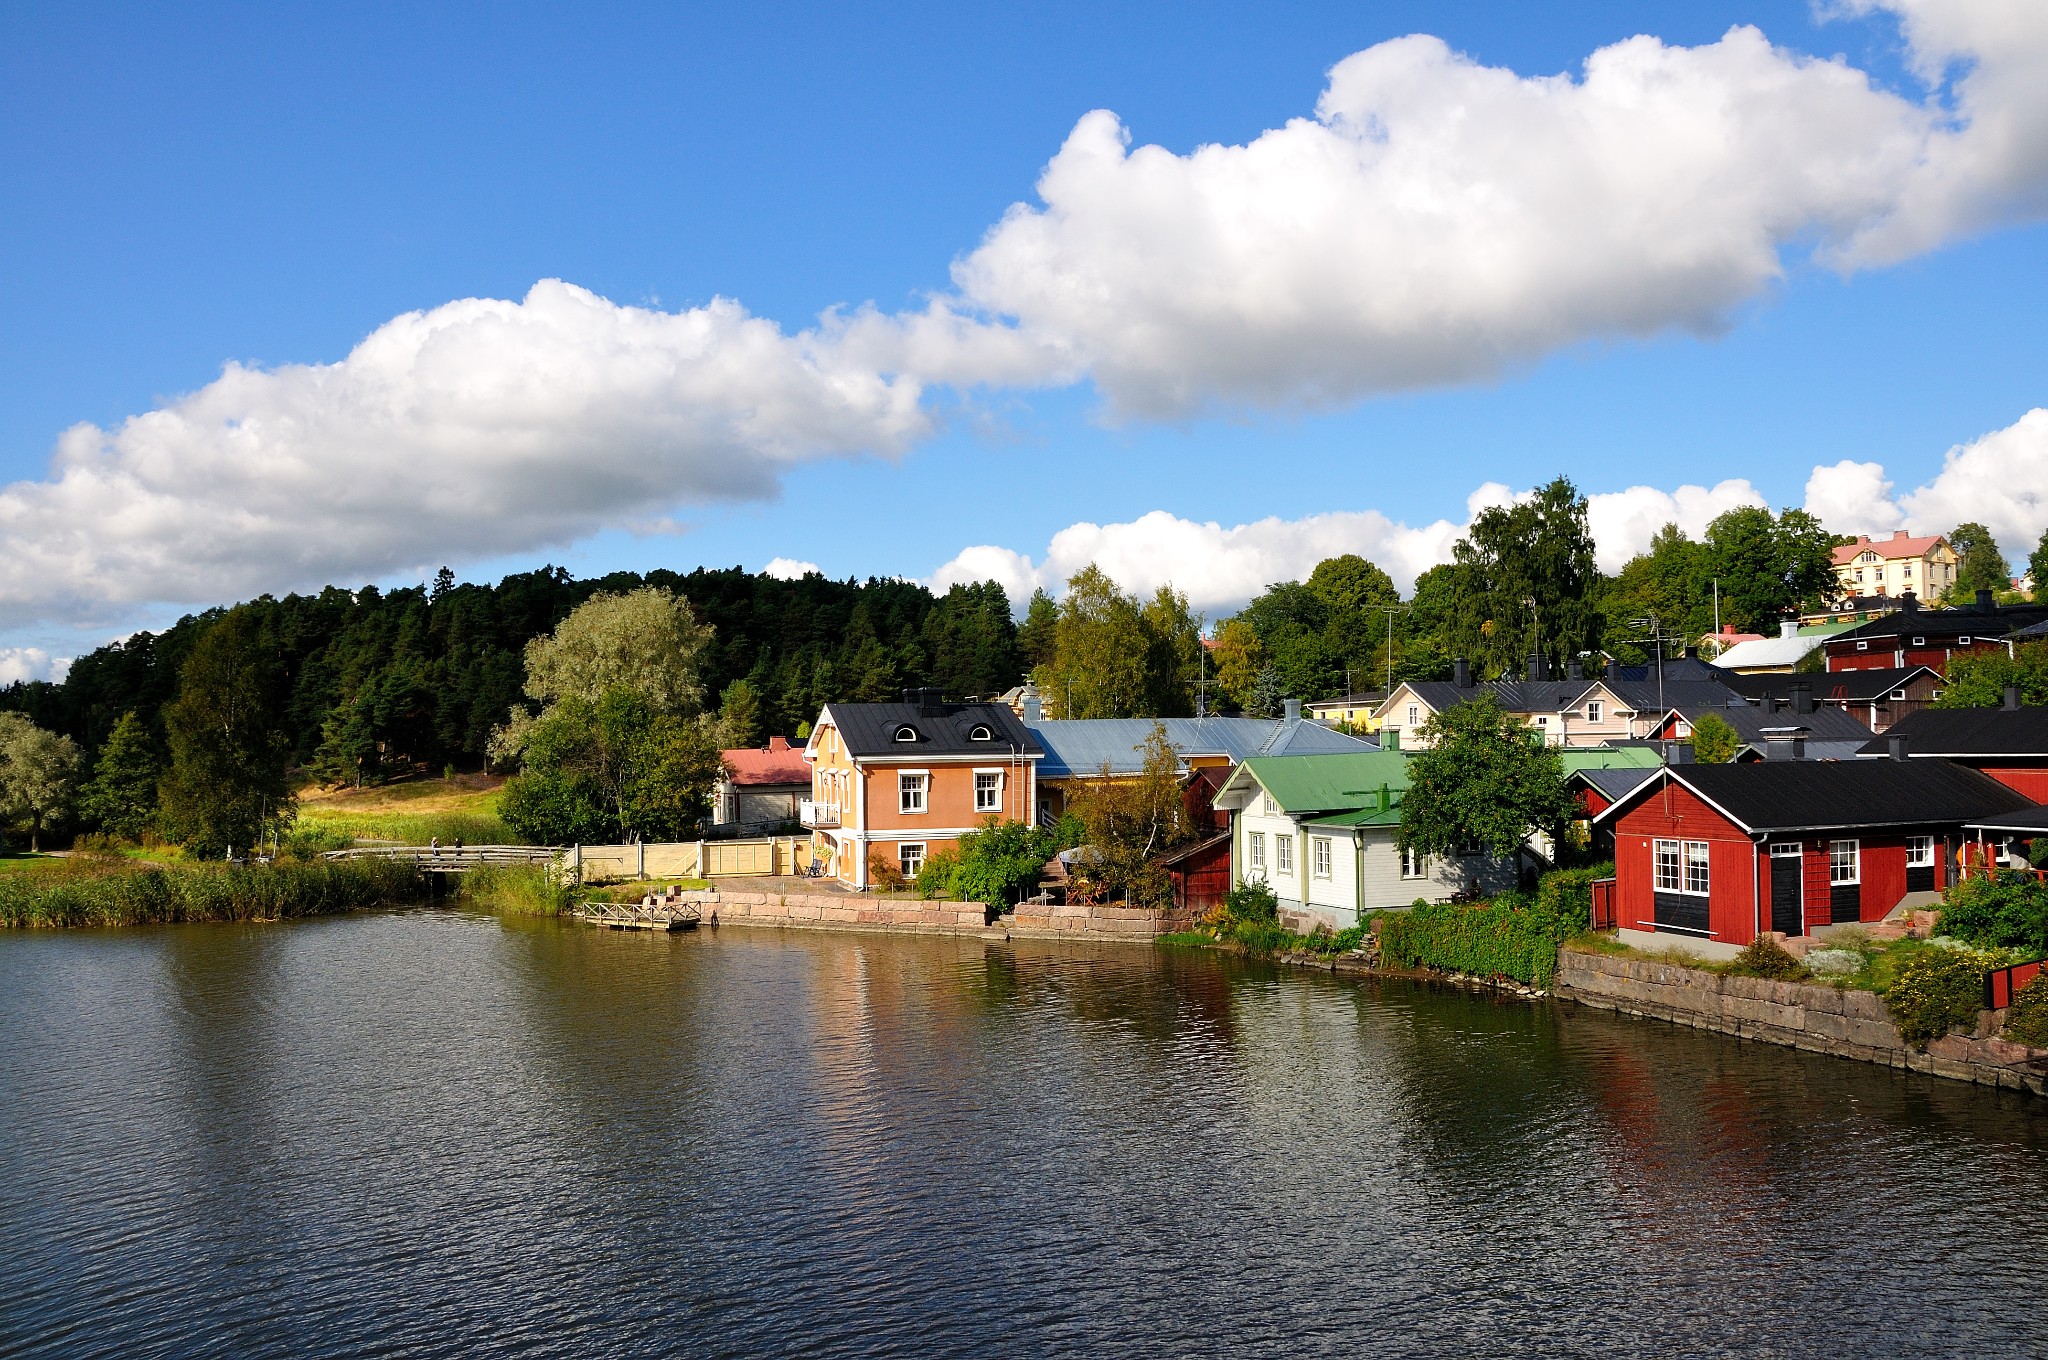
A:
448,859
2001,985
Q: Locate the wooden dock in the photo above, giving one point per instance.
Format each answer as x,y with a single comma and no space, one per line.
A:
668,910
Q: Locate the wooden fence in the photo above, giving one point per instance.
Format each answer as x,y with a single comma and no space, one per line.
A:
771,856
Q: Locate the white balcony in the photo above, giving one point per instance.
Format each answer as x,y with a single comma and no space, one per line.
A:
815,814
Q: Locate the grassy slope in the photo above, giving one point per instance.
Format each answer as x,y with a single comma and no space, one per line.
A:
412,811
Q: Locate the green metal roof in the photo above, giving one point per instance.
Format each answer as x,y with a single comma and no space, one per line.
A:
1333,783
1577,758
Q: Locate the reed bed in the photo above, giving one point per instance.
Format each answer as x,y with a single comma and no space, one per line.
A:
514,890
112,892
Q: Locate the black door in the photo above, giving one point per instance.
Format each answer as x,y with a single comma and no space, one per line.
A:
1788,896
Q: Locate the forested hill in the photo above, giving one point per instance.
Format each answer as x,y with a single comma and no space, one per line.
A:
430,670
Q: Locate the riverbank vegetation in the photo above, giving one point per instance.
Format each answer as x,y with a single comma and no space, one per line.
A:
514,890
109,890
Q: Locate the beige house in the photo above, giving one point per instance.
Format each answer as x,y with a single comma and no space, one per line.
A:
1572,712
1888,567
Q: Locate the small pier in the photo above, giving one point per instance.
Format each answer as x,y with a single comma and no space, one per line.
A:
671,910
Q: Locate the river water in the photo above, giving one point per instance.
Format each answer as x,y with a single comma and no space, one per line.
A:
434,1133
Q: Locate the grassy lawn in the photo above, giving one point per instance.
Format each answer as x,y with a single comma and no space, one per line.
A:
10,863
411,811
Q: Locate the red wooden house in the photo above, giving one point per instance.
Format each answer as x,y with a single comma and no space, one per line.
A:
2010,744
1913,636
1725,852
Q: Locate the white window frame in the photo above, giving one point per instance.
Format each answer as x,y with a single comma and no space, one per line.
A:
905,732
1319,847
1594,709
1962,642
1255,851
995,791
913,792
1919,852
1863,646
1699,869
1414,864
1667,859
1283,853
1414,715
1837,861
910,857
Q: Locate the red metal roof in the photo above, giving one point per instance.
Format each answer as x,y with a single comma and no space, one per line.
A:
1900,544
776,763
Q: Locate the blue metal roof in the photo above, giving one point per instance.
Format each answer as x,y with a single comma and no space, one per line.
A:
1078,747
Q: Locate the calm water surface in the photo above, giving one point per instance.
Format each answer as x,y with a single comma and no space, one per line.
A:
432,1133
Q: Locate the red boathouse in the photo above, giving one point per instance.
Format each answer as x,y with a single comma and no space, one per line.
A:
1725,852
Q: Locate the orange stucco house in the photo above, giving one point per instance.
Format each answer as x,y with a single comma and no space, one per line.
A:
907,780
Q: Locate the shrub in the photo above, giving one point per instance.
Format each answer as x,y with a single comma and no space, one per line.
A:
514,889
2037,851
1252,902
935,876
1936,990
1501,938
1001,863
2026,1020
1568,895
1764,957
883,871
2008,910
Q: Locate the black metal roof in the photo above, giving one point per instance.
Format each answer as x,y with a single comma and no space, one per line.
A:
2027,819
1806,795
1752,723
1970,733
1969,621
1516,696
1856,687
939,730
1616,782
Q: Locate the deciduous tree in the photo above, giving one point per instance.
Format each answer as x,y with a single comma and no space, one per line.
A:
38,776
1714,741
1484,781
1982,565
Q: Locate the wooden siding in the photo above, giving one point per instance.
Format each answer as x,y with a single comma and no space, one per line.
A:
1674,813
2029,781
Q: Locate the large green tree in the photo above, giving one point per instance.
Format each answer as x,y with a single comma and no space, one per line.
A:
1527,582
1982,565
610,771
1483,780
120,798
227,786
1768,566
38,776
1980,679
1115,656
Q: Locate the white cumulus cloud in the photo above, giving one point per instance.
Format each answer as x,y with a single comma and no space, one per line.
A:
790,569
30,663
471,430
1624,522
1438,220
1999,480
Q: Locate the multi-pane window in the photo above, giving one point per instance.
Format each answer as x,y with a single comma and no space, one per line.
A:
1255,850
1593,710
910,791
1414,864
1321,845
1919,852
1414,715
1696,878
1283,854
1682,867
910,858
988,791
1844,862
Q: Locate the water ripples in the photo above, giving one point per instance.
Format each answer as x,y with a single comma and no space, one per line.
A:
431,1133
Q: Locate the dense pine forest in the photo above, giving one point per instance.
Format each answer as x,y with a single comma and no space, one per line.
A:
424,674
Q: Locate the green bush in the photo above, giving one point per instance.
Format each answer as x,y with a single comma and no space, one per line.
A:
935,875
1764,957
1001,863
2008,910
1252,902
1937,990
1506,937
1568,895
90,893
2026,1020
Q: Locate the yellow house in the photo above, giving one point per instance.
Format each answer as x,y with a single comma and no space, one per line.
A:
1359,712
1892,566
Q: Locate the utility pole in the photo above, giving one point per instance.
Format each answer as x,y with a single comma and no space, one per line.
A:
1389,610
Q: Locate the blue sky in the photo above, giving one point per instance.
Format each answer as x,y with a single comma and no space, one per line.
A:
270,185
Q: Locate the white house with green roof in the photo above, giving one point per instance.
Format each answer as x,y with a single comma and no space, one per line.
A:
1322,831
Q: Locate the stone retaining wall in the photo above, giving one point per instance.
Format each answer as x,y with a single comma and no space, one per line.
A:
841,911
1847,1024
1090,923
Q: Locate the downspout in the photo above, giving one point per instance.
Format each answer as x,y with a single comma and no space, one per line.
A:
1756,884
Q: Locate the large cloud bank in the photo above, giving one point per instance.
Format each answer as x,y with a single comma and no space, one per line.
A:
1999,480
1434,221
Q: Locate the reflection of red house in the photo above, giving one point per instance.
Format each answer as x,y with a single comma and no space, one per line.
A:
1723,852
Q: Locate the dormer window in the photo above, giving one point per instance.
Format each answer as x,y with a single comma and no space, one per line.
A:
906,733
981,734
